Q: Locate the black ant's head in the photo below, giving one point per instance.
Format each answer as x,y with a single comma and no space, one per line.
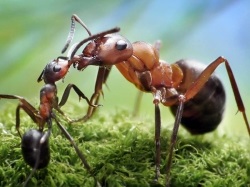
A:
55,70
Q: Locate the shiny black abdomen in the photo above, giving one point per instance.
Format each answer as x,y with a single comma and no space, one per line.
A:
204,112
34,153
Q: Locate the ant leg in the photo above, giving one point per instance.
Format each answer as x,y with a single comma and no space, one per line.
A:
157,94
192,91
204,76
79,153
102,76
101,79
65,98
174,137
27,107
157,141
137,103
79,93
21,106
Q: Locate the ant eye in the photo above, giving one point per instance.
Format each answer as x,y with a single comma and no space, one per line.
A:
57,68
121,45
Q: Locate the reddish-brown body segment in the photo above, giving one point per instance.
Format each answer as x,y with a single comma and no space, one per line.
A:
190,89
147,72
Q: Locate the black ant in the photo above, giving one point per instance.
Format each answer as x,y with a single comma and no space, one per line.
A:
35,142
194,94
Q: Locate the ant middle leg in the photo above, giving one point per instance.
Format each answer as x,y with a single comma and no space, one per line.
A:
27,107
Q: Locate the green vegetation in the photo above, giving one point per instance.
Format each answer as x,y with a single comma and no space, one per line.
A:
121,152
119,148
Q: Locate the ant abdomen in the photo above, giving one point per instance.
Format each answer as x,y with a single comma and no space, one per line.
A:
35,153
204,112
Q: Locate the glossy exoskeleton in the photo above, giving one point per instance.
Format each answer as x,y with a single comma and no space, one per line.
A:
36,153
191,90
80,61
204,112
35,143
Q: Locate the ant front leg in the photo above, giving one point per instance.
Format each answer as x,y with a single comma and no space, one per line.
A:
102,76
65,98
101,79
66,95
27,107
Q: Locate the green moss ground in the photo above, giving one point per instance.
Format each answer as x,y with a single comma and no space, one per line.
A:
121,152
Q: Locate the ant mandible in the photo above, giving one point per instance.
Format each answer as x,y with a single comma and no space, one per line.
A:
194,94
35,143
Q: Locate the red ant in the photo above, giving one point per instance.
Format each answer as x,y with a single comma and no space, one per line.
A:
35,143
194,94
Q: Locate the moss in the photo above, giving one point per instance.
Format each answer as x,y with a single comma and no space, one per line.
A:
121,152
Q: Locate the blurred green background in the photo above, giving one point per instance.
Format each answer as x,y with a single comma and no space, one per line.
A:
33,32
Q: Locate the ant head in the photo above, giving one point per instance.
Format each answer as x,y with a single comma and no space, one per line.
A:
111,49
93,39
55,70
105,48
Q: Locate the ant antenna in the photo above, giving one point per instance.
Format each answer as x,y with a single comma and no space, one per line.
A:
71,49
74,19
91,37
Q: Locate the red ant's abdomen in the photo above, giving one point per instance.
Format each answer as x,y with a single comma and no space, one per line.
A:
204,112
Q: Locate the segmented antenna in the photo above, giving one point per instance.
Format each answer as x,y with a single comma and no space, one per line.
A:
116,29
74,18
71,49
